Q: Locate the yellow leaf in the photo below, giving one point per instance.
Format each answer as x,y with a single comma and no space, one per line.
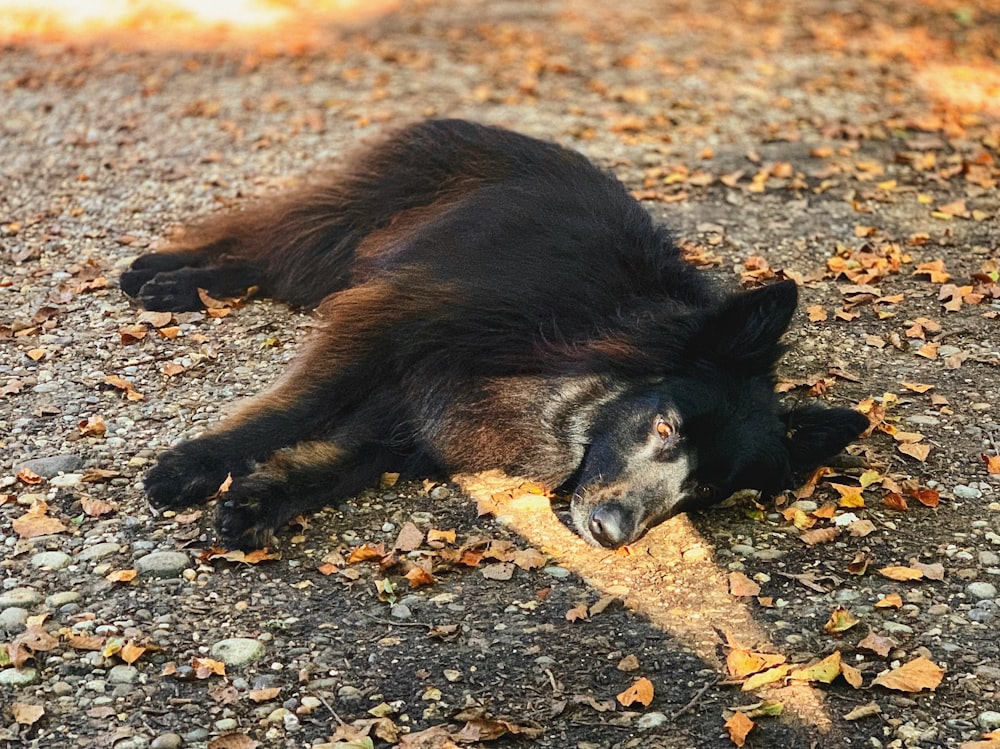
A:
641,691
840,620
742,662
824,671
891,600
915,676
769,676
851,675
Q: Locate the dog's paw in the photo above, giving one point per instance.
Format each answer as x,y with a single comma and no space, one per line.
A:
249,513
180,479
169,292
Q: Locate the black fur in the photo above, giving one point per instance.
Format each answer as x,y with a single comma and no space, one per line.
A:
489,301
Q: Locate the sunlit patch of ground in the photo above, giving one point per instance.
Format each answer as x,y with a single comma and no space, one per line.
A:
966,87
669,576
285,24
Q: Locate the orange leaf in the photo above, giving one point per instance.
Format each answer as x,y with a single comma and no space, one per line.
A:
96,507
890,601
131,652
418,577
739,726
578,612
915,676
851,675
205,667
992,463
742,662
901,573
816,313
641,691
366,553
121,576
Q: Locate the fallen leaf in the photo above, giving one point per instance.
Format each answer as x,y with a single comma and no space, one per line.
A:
500,571
206,667
864,711
578,612
628,663
96,507
36,522
877,644
890,601
738,727
25,714
824,671
771,675
992,463
641,691
840,620
418,577
741,585
93,426
741,662
365,553
819,536
409,539
898,572
233,741
915,676
131,652
851,675
121,576
918,451
530,559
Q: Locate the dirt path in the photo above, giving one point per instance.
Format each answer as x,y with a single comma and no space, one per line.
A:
853,146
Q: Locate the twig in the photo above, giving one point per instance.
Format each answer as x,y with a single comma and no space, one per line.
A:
333,712
694,700
388,623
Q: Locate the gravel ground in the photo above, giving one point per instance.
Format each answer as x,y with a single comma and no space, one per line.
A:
846,145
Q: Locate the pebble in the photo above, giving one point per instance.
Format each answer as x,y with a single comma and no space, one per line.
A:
980,590
13,619
51,560
897,628
400,611
20,597
123,674
162,564
347,693
989,720
559,573
52,465
57,600
238,651
167,741
98,551
988,558
966,492
12,677
651,720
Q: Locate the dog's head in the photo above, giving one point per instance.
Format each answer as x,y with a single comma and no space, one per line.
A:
691,439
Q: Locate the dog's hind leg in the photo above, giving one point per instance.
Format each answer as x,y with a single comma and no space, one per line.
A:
293,481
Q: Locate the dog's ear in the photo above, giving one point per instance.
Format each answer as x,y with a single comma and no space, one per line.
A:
815,434
743,333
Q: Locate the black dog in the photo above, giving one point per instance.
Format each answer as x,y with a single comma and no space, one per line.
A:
489,301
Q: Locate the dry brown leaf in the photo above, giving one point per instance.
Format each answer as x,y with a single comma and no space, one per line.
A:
499,571
816,313
96,507
851,675
890,601
840,620
629,663
915,676
742,662
120,383
578,612
418,577
206,667
409,539
233,741
264,695
82,641
436,536
738,727
641,691
819,536
918,451
365,553
530,559
877,644
93,426
36,522
25,714
992,463
741,585
121,576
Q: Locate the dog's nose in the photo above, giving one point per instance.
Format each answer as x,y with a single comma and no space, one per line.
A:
610,526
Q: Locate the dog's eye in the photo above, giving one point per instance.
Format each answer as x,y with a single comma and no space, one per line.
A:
705,492
664,428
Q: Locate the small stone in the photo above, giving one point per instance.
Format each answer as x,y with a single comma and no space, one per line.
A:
966,492
58,600
12,677
988,558
347,693
163,564
123,674
226,724
238,651
20,597
62,689
51,466
988,720
743,550
981,590
98,551
559,573
66,480
651,720
400,611
51,560
767,555
897,628
13,619
440,492
806,505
